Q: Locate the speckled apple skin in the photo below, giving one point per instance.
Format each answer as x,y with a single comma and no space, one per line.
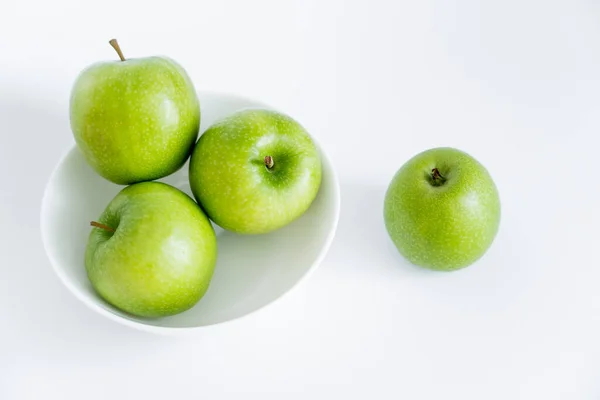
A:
135,120
229,178
161,257
445,227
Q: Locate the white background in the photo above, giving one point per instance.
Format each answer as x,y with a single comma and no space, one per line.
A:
516,83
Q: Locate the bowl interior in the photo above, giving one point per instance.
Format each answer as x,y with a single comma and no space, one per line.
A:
251,271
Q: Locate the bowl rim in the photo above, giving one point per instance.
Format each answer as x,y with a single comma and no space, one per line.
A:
335,185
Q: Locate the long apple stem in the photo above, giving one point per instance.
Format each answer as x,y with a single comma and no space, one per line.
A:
269,163
437,178
115,45
101,226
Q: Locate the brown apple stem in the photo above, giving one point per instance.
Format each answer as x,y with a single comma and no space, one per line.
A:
101,226
269,163
437,178
115,45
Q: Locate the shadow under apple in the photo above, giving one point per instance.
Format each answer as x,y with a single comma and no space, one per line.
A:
362,237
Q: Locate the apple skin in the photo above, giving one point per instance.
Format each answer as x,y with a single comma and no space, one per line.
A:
161,257
135,120
448,226
231,182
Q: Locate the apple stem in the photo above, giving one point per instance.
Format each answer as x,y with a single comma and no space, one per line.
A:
269,163
437,178
115,45
101,226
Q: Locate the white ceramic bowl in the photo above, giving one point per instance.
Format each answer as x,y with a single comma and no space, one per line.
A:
251,271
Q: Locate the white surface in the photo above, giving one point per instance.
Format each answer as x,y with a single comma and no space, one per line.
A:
251,272
515,82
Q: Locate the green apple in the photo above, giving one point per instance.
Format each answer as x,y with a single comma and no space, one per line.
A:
442,209
255,171
152,252
135,120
